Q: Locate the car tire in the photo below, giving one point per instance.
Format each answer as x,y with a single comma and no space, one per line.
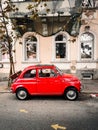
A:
71,94
21,94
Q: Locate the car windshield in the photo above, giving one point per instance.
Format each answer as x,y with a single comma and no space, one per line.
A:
59,71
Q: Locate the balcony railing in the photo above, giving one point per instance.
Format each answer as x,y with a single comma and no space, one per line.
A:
21,0
31,0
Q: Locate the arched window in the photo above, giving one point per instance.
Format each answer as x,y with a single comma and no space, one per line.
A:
60,46
31,48
87,46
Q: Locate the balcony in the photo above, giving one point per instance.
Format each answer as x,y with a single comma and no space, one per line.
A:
56,7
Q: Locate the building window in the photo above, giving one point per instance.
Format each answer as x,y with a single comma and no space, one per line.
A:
31,48
87,46
60,47
4,51
4,54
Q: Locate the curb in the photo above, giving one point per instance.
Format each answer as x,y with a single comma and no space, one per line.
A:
4,89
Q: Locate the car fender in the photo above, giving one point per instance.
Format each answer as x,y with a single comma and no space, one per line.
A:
68,87
19,87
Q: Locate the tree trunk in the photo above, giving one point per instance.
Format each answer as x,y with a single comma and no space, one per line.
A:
8,39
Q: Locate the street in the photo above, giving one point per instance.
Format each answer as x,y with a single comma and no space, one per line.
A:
48,113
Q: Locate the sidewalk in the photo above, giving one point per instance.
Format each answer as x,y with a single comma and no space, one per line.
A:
89,86
4,87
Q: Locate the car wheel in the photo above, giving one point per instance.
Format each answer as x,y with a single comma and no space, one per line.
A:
21,94
71,94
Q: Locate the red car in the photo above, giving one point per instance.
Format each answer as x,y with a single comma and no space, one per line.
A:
45,80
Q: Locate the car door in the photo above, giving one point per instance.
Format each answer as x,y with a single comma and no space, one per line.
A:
49,82
29,81
56,85
43,82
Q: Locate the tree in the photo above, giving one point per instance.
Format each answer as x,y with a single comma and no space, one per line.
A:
7,37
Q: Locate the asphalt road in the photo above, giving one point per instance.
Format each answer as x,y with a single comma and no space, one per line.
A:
48,113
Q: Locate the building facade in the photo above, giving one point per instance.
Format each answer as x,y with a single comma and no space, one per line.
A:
77,55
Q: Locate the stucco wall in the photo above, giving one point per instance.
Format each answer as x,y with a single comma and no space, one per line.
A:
73,65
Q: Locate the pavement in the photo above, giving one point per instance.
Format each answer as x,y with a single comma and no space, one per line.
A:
89,87
4,87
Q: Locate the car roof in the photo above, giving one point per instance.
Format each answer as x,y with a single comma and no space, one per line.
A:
39,66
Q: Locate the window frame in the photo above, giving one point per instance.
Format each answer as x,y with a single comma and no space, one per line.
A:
24,48
92,44
26,55
54,59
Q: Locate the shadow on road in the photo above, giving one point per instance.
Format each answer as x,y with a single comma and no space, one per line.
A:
82,97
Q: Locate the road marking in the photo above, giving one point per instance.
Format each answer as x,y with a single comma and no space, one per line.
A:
23,110
56,126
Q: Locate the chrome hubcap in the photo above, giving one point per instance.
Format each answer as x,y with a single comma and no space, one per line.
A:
71,94
22,94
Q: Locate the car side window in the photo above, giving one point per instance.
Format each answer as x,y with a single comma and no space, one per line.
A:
46,73
30,74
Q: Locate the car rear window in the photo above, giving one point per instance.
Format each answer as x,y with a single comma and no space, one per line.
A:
30,74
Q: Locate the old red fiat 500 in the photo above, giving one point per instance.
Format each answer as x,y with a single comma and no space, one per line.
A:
45,80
